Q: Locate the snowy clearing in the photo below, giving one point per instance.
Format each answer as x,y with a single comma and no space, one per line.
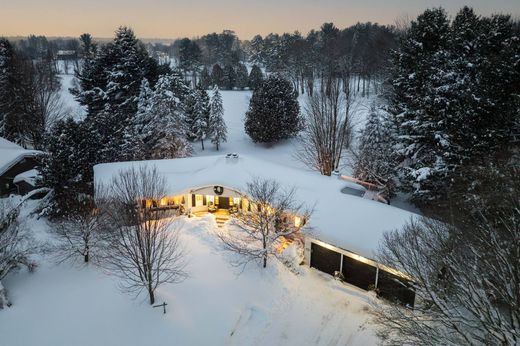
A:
63,304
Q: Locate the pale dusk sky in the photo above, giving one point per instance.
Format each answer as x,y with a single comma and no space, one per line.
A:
180,18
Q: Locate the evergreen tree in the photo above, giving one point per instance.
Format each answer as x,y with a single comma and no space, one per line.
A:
376,160
189,56
109,87
416,113
217,125
66,167
202,111
256,77
205,79
453,93
274,112
242,78
9,105
217,75
159,126
230,77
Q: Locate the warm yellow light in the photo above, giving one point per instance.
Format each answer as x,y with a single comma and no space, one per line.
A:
236,200
297,221
163,201
283,244
210,198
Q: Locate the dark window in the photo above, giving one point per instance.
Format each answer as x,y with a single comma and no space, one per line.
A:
395,289
358,273
192,200
323,259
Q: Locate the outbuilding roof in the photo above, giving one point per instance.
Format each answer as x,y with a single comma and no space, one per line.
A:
343,220
11,154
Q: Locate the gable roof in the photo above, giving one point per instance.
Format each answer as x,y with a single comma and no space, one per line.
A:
343,220
11,154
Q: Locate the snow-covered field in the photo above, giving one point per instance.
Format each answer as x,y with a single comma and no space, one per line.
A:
77,305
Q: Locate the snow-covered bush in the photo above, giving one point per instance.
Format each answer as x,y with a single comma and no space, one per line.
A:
15,245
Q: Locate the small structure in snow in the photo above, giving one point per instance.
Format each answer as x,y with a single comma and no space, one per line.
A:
14,160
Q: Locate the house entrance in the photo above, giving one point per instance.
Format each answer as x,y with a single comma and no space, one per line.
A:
222,202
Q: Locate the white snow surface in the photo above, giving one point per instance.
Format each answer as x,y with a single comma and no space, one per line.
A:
64,305
346,221
11,153
29,177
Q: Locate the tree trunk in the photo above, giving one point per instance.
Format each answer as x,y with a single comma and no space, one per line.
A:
86,257
202,142
152,295
265,251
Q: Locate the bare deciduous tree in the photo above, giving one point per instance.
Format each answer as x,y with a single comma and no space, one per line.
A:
467,280
271,219
80,236
144,249
15,246
328,128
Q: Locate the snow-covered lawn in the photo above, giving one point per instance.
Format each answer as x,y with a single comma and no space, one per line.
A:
236,104
71,305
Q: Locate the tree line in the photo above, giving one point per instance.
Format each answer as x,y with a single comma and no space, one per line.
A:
452,106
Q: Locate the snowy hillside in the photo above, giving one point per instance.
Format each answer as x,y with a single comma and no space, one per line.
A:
64,305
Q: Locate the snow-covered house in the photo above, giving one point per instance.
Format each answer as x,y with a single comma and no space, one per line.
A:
14,161
346,229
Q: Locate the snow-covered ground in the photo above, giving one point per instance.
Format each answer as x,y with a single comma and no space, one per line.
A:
236,104
70,305
77,305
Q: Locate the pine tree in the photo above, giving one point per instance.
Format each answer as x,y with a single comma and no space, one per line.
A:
242,78
256,77
202,111
159,125
453,93
205,79
217,125
274,112
8,100
417,113
230,77
376,159
66,167
217,75
109,87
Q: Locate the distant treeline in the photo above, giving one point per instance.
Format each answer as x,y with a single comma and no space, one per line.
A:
360,51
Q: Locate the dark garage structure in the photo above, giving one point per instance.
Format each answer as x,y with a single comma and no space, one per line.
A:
362,272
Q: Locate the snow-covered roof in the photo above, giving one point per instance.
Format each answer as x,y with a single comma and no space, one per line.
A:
345,221
29,177
11,154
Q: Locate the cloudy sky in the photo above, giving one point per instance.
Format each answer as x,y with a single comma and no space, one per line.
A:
179,18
